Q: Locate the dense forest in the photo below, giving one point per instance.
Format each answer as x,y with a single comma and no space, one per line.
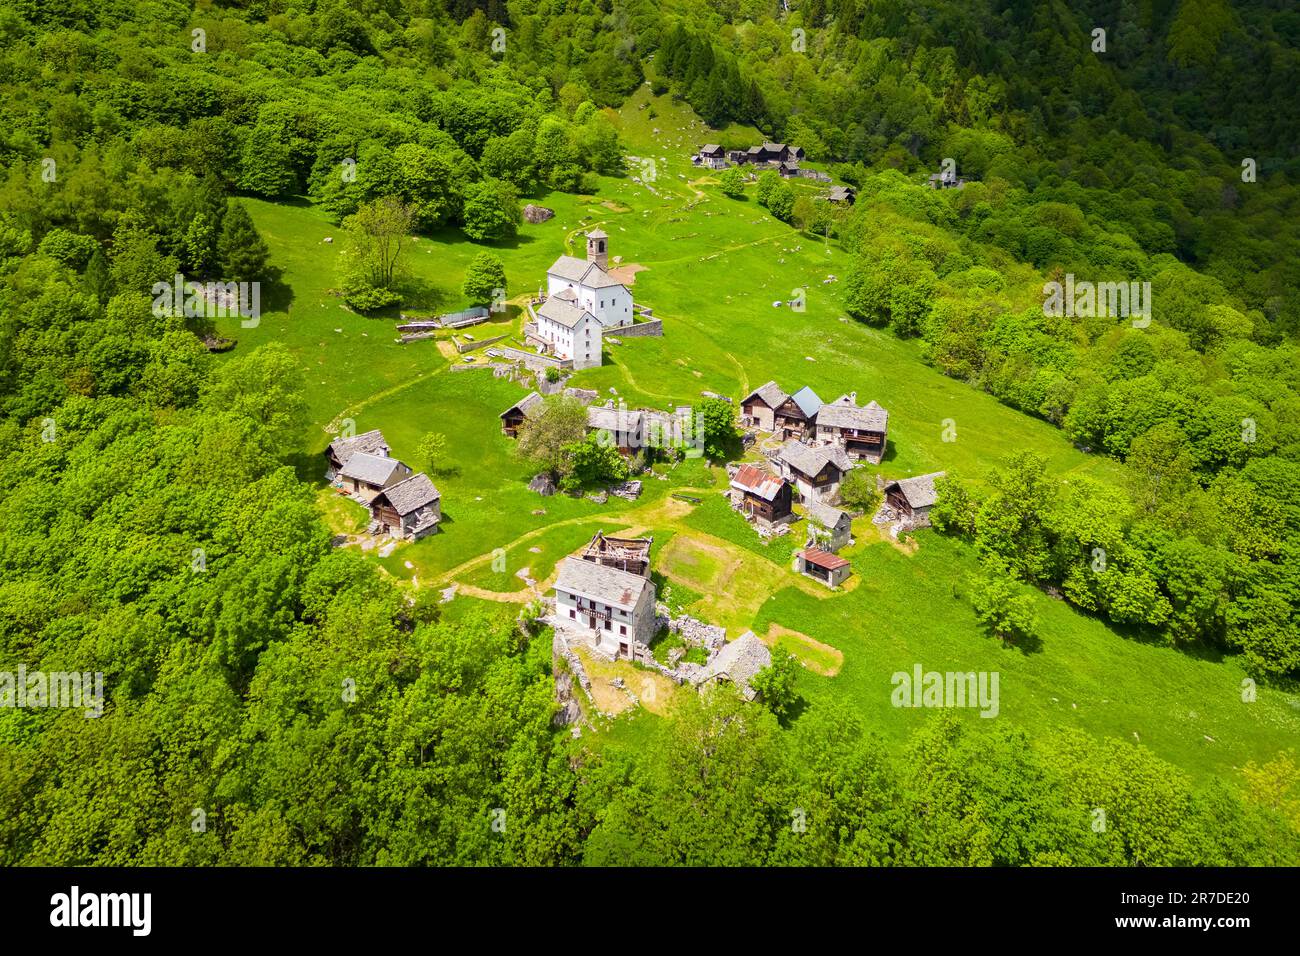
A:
272,700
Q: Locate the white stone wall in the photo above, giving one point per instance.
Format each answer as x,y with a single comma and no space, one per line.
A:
611,306
581,344
638,622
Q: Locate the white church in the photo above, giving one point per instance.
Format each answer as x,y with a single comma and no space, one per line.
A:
594,288
582,301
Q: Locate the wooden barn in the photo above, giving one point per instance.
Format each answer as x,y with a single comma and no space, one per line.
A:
762,496
913,498
758,408
513,418
626,554
796,417
409,509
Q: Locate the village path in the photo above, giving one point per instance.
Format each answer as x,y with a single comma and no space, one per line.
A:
664,514
724,249
741,376
352,410
644,514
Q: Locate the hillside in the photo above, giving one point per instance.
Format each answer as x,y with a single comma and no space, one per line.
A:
330,696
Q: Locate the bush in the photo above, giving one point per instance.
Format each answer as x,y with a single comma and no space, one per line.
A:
733,183
858,491
483,278
364,297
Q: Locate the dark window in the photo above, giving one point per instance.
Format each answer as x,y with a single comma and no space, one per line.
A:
572,613
607,627
622,629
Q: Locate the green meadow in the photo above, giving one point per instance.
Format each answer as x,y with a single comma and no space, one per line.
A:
712,267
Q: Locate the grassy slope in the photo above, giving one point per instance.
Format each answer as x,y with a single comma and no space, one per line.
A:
713,268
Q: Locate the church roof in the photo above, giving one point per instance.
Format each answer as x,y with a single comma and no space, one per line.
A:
561,312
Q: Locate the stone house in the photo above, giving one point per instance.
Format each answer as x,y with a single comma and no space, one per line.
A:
611,608
758,408
913,498
365,475
340,450
816,471
409,509
860,431
829,528
711,156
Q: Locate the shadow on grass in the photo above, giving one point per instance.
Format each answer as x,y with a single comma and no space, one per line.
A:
794,712
277,296
308,466
420,294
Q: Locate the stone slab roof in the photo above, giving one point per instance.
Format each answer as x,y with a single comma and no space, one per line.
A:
410,495
738,662
827,516
770,393
372,469
842,413
600,583
615,419
566,315
919,492
371,442
530,406
811,459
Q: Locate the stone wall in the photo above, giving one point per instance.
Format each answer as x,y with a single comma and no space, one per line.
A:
531,359
468,346
653,328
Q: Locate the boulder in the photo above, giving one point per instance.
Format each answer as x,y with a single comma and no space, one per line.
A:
543,484
535,214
